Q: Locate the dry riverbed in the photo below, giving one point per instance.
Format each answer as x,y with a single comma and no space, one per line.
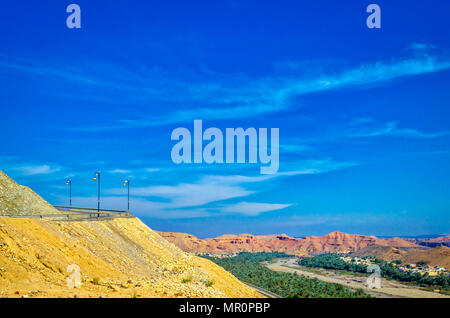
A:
389,288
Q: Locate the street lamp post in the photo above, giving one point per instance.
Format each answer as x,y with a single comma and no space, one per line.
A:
69,183
127,183
97,178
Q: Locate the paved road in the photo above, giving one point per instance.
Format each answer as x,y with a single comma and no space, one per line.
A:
390,289
263,291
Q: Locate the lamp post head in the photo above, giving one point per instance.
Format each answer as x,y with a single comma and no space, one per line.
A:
68,182
126,182
96,175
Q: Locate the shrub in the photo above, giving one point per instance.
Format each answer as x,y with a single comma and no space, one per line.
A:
187,279
135,295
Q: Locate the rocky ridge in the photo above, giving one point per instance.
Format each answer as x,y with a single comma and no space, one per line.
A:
310,245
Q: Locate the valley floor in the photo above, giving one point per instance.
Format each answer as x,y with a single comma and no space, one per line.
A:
390,289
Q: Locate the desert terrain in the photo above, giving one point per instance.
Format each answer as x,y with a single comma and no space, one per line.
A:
116,257
310,245
389,288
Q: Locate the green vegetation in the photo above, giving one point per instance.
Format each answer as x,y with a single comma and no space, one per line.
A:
135,295
247,267
187,279
208,283
388,270
96,281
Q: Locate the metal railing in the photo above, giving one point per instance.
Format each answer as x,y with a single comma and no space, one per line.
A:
77,214
89,210
92,212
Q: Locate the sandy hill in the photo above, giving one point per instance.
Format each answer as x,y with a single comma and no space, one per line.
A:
382,252
437,256
397,242
333,242
430,242
119,257
20,200
442,239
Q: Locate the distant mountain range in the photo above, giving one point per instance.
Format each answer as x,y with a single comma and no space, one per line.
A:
310,245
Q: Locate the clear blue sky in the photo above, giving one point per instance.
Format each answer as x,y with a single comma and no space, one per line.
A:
363,114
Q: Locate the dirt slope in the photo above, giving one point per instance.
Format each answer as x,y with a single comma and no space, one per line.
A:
117,258
20,200
382,252
333,242
430,242
437,256
442,239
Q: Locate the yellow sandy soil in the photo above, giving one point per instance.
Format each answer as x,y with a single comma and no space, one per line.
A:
16,199
117,258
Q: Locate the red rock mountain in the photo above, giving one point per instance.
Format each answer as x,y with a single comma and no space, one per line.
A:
333,242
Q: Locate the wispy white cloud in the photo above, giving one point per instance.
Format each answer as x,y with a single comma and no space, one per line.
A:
210,194
361,121
16,167
252,208
422,46
152,169
233,97
97,75
295,148
188,195
132,173
207,190
119,171
270,95
36,170
315,166
370,128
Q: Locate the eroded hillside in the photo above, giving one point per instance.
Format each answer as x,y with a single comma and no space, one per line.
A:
17,200
310,245
118,258
437,256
